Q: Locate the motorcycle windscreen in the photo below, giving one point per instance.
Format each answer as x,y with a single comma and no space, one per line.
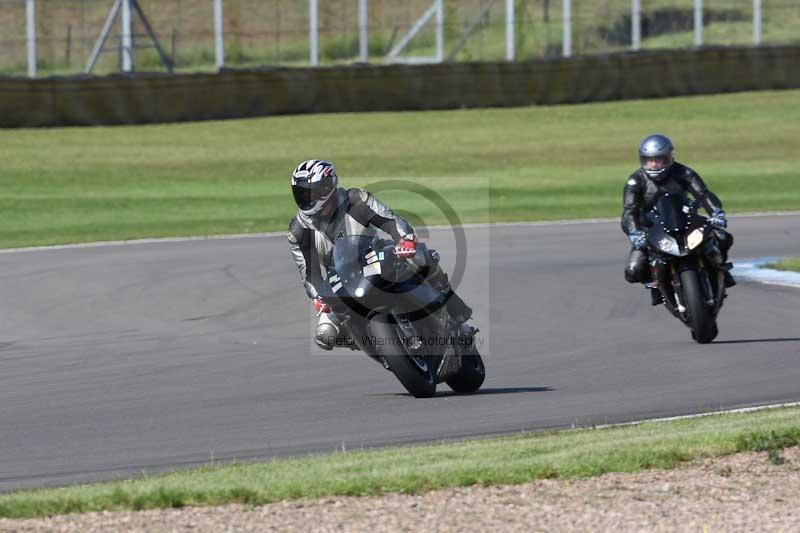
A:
355,260
673,213
348,255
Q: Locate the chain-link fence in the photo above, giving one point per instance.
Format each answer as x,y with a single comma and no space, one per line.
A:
281,32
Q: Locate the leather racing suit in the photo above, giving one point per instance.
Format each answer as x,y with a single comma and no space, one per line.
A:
638,197
357,212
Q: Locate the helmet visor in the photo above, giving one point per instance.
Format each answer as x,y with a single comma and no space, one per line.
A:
306,195
655,164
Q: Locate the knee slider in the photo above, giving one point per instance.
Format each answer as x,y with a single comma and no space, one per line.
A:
637,269
634,274
724,239
326,336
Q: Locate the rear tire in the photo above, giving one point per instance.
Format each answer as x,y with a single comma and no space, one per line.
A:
416,377
471,375
701,318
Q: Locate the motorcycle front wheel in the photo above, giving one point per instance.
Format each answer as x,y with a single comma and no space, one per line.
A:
413,372
701,317
471,374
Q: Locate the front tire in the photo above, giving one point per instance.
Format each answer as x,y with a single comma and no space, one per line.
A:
701,318
415,375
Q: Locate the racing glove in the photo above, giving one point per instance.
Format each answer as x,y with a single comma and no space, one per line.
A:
320,306
638,239
719,220
406,247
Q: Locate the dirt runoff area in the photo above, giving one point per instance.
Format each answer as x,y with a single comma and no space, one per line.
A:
744,492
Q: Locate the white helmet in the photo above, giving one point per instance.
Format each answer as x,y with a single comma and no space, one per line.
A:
314,184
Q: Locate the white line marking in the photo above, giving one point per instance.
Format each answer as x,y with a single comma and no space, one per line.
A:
758,214
103,244
754,270
235,236
701,415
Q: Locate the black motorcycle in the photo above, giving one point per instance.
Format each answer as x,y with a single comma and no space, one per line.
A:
680,243
389,310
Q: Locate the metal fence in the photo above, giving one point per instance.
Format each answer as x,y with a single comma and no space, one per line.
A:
65,37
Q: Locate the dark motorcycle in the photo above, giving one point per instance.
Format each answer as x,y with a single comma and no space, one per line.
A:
390,311
680,243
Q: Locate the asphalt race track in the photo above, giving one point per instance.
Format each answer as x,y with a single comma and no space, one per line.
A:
119,360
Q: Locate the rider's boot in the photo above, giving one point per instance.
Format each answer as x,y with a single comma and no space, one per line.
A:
729,281
655,292
655,296
719,259
724,242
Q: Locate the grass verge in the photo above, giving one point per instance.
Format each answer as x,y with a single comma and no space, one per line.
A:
507,460
535,163
790,264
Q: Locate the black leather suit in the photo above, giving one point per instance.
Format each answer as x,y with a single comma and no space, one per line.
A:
638,197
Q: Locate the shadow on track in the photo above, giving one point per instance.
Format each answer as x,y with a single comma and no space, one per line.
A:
480,392
499,390
749,341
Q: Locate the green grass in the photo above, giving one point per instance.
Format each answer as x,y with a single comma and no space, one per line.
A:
790,263
536,163
509,460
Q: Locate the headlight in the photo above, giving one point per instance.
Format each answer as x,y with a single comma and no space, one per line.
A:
695,238
669,245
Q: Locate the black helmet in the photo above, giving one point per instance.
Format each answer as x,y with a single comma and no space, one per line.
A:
656,155
313,184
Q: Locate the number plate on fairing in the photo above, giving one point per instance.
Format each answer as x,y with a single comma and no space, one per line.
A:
372,269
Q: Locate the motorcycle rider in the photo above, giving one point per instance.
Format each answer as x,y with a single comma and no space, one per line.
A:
327,212
660,173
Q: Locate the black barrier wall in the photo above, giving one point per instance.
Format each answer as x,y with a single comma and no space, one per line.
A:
152,98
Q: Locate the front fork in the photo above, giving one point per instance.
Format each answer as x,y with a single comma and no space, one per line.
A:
667,278
677,289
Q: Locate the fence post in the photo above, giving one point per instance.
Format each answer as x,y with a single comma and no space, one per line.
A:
698,23
510,50
127,37
636,24
313,32
440,31
68,51
363,27
219,37
30,23
757,22
567,45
